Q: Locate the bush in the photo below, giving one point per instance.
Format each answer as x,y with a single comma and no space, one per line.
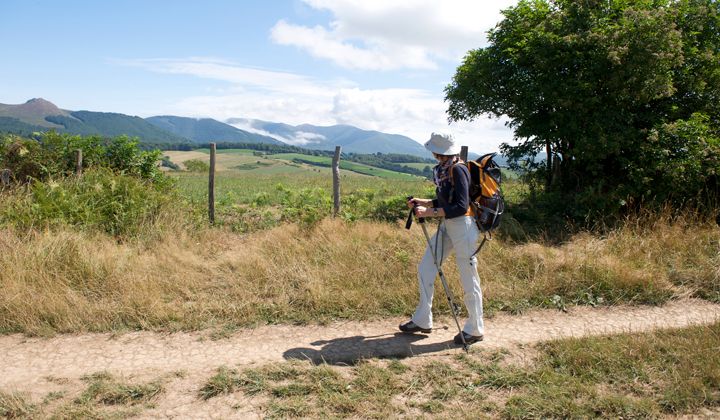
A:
167,163
196,165
53,155
306,207
115,203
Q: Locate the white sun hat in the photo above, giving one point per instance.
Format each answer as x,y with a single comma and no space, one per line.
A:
442,144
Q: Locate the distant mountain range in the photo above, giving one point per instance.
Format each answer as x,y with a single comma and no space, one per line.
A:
351,139
41,115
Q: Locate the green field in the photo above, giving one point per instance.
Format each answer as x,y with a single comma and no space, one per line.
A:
229,151
252,184
420,166
244,187
244,159
350,166
243,177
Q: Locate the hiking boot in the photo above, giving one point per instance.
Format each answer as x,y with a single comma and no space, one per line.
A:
469,339
411,327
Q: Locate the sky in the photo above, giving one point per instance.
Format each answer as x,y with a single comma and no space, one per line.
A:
375,64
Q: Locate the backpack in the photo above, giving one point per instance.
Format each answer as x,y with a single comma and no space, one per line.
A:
486,199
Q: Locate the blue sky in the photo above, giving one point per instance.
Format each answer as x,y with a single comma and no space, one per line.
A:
378,65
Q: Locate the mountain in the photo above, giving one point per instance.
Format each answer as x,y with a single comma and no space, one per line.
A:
206,130
15,126
110,124
41,115
352,139
33,112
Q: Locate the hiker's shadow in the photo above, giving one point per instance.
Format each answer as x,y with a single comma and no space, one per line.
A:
350,350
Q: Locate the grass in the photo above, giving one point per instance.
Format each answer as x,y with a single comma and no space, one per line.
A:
65,281
105,389
300,267
368,393
346,165
243,187
105,396
670,372
418,165
15,406
231,159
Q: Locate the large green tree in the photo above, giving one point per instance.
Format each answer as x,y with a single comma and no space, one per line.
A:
617,92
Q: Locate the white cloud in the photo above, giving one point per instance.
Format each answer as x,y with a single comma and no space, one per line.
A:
323,44
413,113
242,77
299,138
388,35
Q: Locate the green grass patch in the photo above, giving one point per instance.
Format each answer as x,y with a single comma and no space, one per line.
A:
251,166
648,375
418,165
104,397
105,389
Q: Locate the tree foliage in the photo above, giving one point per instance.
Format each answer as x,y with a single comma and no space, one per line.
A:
623,95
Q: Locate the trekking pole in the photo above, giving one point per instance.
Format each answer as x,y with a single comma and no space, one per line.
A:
454,309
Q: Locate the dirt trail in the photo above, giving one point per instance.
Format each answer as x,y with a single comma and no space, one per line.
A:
37,365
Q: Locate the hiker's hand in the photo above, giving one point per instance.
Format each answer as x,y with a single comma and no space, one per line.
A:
421,211
418,202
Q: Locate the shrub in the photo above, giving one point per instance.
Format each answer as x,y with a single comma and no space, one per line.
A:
196,165
307,206
117,204
167,163
53,155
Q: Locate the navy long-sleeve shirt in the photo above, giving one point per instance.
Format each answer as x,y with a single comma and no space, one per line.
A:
458,204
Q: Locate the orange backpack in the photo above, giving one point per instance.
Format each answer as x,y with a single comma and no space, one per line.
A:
486,199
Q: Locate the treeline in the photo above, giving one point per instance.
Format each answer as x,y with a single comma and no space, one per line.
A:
11,125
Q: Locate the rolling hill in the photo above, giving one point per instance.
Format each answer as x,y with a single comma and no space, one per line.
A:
41,115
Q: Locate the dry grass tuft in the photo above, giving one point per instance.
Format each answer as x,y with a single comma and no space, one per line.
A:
65,281
15,406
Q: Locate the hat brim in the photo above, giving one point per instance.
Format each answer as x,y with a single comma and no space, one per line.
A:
448,151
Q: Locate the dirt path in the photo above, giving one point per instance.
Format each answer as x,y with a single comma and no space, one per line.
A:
38,366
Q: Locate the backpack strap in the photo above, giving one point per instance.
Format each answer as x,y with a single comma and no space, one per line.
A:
485,238
470,211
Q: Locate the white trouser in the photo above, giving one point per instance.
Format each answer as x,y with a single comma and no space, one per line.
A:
461,234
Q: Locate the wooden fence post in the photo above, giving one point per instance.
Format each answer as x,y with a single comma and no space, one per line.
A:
211,185
78,162
464,153
336,181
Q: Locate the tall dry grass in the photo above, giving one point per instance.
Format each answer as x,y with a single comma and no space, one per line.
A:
64,281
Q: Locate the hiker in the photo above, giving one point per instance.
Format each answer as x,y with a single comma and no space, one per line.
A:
458,231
